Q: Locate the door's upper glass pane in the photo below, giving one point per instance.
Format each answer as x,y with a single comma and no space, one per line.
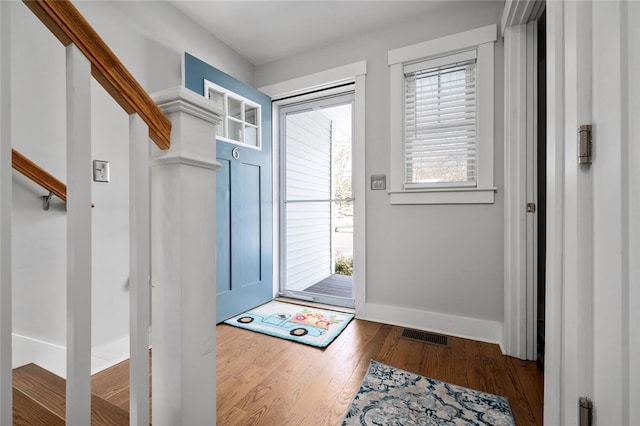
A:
235,108
235,130
250,135
251,114
217,97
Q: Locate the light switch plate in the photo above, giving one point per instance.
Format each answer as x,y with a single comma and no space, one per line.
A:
378,182
101,171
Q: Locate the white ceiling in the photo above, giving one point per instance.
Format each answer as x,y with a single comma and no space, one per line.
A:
268,30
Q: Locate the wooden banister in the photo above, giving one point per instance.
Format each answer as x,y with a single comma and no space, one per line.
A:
69,26
38,175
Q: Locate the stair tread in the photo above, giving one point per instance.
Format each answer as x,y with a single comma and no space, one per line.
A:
49,390
105,413
43,386
112,384
27,412
111,381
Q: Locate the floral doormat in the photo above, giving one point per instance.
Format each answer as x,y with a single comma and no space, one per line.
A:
312,326
389,396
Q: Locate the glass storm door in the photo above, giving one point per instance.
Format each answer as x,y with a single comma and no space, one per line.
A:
316,204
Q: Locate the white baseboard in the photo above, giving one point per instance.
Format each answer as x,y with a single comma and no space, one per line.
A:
109,354
54,357
468,328
47,355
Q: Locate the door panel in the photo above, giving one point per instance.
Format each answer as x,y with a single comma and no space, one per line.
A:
223,227
247,225
244,249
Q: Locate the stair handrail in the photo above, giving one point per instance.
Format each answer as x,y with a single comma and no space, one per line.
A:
38,175
69,26
88,53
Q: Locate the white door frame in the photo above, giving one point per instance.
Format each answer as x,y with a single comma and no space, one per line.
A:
355,73
519,29
569,264
569,281
593,251
569,278
615,60
631,263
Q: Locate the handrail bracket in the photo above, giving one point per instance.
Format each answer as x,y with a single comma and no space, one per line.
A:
46,199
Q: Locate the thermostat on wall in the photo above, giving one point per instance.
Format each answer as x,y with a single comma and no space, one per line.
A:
378,182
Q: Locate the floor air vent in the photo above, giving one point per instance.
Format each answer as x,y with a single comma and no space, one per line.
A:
426,337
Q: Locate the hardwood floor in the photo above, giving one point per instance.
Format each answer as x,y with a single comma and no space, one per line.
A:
262,380
267,381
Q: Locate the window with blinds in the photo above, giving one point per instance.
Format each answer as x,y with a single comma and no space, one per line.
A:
440,122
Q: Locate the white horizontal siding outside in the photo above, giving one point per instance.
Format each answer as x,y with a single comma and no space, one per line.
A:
308,178
308,157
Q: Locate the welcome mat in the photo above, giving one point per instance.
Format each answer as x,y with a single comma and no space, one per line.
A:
311,326
390,396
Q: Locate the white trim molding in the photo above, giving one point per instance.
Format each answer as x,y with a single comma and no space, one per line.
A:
452,325
520,135
553,403
482,40
53,357
633,216
444,196
569,318
181,99
444,45
190,112
317,81
518,12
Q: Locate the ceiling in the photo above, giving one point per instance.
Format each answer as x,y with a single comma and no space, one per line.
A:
268,30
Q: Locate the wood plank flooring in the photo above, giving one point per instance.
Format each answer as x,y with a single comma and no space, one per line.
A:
267,381
40,400
262,380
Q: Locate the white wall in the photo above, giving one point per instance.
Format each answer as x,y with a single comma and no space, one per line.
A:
432,266
149,38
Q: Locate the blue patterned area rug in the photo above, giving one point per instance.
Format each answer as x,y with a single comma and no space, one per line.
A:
311,326
389,396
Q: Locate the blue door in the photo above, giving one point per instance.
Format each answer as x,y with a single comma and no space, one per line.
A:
244,189
244,271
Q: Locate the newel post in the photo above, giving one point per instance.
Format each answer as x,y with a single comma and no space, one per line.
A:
183,277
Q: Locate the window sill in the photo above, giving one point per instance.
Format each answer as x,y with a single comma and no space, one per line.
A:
444,196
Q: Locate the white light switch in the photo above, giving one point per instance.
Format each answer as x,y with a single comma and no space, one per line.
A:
100,171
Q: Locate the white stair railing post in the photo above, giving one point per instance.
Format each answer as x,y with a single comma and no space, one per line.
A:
183,223
6,392
140,268
79,178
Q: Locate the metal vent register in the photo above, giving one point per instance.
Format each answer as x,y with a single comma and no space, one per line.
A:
425,336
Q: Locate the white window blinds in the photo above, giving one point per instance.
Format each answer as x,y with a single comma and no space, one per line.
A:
440,121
